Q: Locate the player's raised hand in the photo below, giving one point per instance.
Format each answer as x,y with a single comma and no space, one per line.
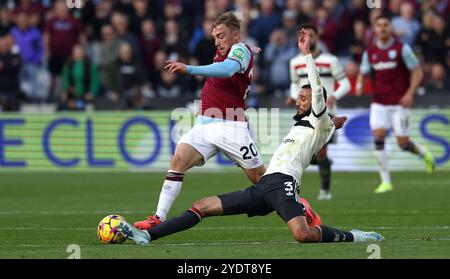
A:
339,121
303,41
175,67
256,50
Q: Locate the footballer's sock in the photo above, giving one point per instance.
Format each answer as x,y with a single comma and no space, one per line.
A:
183,222
170,190
325,172
329,234
382,159
414,148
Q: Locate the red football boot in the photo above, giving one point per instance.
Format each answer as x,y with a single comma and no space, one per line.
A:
312,217
147,224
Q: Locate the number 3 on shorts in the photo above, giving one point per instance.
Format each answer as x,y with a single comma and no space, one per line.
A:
250,149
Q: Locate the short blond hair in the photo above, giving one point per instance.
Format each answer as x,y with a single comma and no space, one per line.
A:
230,20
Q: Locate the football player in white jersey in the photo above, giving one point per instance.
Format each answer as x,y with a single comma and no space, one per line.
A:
330,72
278,188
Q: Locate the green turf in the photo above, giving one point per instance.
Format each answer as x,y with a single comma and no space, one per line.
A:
41,214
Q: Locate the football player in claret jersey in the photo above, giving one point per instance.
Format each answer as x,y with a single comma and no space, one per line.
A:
396,76
221,124
279,187
330,72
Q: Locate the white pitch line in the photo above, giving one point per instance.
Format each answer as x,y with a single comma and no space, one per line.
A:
211,243
75,212
223,228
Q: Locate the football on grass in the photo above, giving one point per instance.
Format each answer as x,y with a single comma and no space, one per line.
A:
107,230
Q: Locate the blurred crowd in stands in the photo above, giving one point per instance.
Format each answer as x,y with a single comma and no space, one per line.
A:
115,50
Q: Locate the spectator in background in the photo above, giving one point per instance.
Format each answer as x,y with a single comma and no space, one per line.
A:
357,9
351,71
289,24
435,48
337,12
327,29
308,11
293,6
267,21
109,53
205,48
438,82
9,75
211,10
62,33
150,44
102,17
125,7
244,8
356,48
393,8
129,79
81,81
173,42
120,24
277,55
369,36
29,40
406,26
141,13
5,21
34,11
169,86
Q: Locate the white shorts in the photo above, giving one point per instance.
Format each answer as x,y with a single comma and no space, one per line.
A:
390,116
233,138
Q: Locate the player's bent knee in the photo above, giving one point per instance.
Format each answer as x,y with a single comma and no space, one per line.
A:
179,163
301,235
305,235
405,146
205,206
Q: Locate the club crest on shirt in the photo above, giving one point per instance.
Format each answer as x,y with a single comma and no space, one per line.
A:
392,54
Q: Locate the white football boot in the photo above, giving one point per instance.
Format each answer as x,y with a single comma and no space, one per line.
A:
361,236
324,195
137,236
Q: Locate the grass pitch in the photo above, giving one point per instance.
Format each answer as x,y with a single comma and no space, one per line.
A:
42,213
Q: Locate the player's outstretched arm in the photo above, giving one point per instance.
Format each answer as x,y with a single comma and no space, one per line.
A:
318,105
338,121
223,69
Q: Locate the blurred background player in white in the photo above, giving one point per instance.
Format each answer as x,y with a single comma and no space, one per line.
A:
279,187
331,72
396,76
221,124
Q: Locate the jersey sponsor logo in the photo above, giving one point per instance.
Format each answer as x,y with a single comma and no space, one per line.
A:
288,141
392,54
238,54
385,65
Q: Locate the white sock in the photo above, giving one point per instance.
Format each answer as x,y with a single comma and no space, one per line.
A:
169,192
382,159
420,150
